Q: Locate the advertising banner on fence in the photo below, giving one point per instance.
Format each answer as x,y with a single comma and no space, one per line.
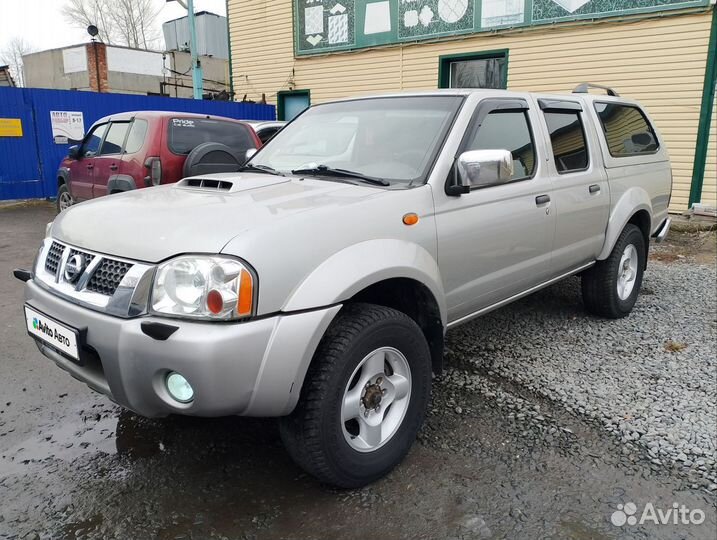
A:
10,127
68,127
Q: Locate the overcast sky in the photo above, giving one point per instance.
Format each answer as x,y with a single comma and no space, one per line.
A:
41,23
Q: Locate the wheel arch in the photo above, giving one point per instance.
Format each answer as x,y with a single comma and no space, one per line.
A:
387,272
634,207
63,177
118,183
413,298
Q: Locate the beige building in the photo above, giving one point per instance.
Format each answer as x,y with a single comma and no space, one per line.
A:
297,52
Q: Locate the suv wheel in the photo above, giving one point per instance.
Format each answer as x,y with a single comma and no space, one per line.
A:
610,288
364,397
64,198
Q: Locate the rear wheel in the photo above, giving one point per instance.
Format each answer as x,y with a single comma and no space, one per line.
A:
364,397
64,198
610,288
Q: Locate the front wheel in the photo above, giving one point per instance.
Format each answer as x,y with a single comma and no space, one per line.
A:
64,198
364,397
610,288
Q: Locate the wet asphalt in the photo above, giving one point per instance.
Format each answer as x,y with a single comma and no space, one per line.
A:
74,465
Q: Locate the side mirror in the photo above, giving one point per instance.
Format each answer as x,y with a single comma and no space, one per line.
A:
481,168
73,152
250,153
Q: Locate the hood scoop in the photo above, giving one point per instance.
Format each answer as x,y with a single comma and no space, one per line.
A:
206,183
229,183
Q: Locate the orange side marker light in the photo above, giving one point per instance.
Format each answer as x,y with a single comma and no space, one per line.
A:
410,219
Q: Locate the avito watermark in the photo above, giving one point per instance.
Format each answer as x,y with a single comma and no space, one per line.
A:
678,514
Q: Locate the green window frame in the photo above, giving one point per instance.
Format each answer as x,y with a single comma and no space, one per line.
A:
445,61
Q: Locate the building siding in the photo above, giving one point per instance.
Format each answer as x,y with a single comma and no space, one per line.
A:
659,61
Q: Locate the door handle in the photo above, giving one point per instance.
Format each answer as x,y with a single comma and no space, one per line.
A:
113,167
90,166
594,189
542,199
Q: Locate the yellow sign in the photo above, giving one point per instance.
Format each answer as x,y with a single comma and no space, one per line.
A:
10,127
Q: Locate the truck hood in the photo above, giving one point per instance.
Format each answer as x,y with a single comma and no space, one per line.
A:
154,224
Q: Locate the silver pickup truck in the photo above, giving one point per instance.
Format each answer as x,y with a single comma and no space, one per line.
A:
317,284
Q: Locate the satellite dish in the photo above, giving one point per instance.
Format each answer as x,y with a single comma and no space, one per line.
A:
92,30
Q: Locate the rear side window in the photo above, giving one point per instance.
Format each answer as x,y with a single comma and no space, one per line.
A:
115,138
185,134
508,130
567,137
137,133
627,131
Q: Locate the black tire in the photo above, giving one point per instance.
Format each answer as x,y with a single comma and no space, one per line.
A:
600,283
63,192
313,433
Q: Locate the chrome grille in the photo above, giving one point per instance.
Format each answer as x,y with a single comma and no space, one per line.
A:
108,276
87,256
52,262
117,287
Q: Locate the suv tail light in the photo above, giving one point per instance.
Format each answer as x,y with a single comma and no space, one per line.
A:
154,167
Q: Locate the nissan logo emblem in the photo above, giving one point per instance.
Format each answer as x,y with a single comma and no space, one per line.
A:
74,268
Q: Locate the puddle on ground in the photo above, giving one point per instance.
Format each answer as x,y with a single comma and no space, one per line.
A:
105,473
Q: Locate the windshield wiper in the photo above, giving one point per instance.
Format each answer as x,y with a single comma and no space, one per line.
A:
260,169
324,170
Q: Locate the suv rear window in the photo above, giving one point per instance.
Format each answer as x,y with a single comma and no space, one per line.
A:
185,134
627,131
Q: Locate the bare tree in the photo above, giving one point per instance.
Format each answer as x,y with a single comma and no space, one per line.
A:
12,56
121,22
136,22
83,13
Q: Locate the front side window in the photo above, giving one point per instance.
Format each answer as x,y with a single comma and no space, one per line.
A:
626,129
567,138
508,130
115,138
396,139
92,142
185,134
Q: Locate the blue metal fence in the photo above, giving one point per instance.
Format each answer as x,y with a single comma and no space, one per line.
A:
28,164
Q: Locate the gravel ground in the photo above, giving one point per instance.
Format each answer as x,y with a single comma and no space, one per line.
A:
650,379
541,427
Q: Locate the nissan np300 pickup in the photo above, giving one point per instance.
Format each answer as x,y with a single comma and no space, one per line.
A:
317,284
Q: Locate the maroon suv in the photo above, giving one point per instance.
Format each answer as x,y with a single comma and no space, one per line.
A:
140,149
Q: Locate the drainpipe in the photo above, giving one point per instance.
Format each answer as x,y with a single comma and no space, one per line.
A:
703,131
229,48
197,74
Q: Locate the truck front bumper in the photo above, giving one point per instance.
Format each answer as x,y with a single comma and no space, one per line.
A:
253,368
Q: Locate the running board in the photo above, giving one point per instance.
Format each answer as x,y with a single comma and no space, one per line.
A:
518,296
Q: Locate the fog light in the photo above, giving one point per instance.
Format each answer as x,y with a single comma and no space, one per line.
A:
179,388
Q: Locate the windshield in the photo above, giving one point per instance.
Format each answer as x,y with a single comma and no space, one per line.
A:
395,139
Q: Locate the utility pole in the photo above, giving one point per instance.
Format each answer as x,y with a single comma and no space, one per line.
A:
197,72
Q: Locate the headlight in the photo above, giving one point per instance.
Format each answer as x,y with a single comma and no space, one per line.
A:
203,287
